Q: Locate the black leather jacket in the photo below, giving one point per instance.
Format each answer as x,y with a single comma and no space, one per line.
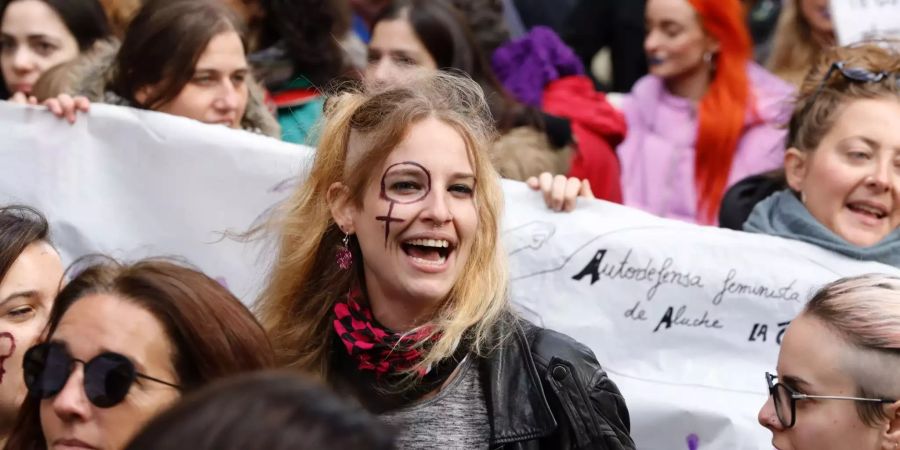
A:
544,390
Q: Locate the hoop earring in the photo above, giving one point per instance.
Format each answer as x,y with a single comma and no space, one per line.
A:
344,256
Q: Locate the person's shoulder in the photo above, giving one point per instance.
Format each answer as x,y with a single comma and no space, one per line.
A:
648,86
773,96
547,345
766,81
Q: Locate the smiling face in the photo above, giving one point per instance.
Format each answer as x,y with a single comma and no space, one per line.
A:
396,53
26,296
675,43
416,232
33,38
95,324
217,93
851,181
811,362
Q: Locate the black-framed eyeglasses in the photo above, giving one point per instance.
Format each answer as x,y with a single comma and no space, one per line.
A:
107,376
785,400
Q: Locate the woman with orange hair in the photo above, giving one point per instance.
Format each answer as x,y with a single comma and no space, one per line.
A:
705,117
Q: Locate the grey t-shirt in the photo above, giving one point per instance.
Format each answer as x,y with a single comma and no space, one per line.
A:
456,418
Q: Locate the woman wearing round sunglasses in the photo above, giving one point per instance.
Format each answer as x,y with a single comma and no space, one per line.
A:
842,167
125,342
837,384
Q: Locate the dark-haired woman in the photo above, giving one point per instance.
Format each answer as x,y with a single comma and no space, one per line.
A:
30,273
36,35
122,344
265,411
182,57
415,35
302,46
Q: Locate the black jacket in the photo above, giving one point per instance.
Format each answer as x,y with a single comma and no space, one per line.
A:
544,390
740,199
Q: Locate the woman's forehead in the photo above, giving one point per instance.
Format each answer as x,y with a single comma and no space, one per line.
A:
813,352
433,144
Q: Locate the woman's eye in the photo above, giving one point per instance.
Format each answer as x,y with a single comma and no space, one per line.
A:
405,186
21,313
203,80
462,189
405,60
859,155
672,31
44,48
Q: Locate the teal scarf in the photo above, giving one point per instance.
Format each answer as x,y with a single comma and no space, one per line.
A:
782,214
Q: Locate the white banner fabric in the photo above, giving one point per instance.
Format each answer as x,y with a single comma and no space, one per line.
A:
685,318
861,20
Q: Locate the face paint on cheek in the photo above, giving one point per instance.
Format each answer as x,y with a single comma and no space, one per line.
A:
415,180
387,219
7,347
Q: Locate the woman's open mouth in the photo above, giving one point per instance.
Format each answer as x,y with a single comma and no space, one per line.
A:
868,210
429,252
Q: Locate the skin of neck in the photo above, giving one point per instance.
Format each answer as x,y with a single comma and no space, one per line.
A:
691,85
397,312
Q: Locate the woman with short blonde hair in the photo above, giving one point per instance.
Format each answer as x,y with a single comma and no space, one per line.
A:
836,386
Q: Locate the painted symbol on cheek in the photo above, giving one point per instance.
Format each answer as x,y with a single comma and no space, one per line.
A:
693,441
387,220
402,183
7,347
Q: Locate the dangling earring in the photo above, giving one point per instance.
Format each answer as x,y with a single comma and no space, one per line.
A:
344,256
708,57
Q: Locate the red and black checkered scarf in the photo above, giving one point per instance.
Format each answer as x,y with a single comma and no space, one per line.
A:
371,345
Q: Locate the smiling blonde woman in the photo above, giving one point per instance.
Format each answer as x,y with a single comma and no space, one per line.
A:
391,286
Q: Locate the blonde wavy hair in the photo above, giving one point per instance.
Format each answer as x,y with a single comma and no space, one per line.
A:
296,305
795,47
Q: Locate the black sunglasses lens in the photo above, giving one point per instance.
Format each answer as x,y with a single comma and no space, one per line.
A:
107,379
46,368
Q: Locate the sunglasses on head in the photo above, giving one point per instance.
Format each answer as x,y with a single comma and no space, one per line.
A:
107,376
857,74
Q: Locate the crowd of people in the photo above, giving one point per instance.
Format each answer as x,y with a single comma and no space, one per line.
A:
386,320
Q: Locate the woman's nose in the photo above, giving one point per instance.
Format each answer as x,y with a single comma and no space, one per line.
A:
767,416
71,403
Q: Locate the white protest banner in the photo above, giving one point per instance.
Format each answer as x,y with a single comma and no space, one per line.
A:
686,319
860,20
133,184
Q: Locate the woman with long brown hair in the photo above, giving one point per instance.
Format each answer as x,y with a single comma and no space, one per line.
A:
182,57
124,342
30,275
